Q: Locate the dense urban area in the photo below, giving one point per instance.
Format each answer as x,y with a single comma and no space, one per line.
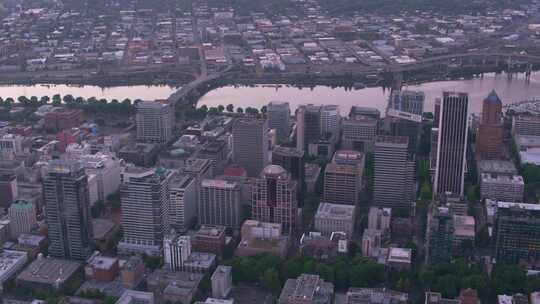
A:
167,201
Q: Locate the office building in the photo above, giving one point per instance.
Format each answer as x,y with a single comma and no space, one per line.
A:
490,133
407,101
506,188
62,119
107,170
439,234
335,218
136,297
308,125
375,296
221,282
274,198
262,238
342,183
365,111
176,250
330,119
398,258
464,231
220,203
10,145
200,262
250,144
496,167
132,272
183,200
9,189
379,218
209,239
359,133
175,287
145,203
393,182
372,240
292,160
22,216
11,263
517,233
279,114
100,268
452,144
307,289
66,195
155,121
526,125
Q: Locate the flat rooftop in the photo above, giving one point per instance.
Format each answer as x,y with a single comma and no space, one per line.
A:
399,255
335,211
498,178
497,166
49,271
9,259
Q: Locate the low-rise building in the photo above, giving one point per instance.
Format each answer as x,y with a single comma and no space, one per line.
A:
399,258
221,282
174,286
136,297
200,262
375,296
509,188
11,262
335,218
49,274
260,237
132,272
102,269
307,289
209,239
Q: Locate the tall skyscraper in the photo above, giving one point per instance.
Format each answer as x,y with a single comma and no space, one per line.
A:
145,202
155,121
274,198
452,144
330,119
250,144
65,193
308,125
279,115
490,133
220,203
394,171
183,198
292,160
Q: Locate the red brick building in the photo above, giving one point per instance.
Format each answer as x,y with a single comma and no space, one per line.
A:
210,239
63,119
490,132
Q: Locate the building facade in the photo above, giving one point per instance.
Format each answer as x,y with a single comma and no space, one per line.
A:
335,218
250,144
274,198
506,188
359,133
155,121
22,216
292,160
220,203
308,126
279,114
452,144
176,250
490,133
65,193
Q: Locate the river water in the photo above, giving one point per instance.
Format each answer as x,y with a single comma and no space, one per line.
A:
510,90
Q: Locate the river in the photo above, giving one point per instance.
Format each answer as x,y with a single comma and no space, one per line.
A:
513,90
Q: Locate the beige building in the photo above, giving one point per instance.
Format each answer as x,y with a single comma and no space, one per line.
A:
335,218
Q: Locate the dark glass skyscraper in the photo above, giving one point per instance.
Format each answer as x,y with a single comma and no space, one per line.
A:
452,143
65,191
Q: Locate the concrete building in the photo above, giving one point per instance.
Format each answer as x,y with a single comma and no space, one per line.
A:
526,125
496,167
49,274
307,289
200,262
375,296
279,114
209,239
22,216
139,154
343,183
452,144
292,160
330,119
11,262
308,126
176,250
365,111
359,133
174,286
145,203
399,258
9,190
502,187
66,195
393,184
11,145
335,218
250,144
136,297
490,133
439,234
221,282
517,237
464,231
372,240
183,200
220,203
155,121
379,218
101,269
107,170
274,198
407,101
262,238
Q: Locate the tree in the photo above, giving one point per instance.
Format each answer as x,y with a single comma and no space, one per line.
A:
69,99
448,285
239,110
23,100
425,192
264,109
230,108
508,279
213,111
220,108
57,100
44,100
270,280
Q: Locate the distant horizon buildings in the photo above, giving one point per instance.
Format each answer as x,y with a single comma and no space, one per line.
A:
452,144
